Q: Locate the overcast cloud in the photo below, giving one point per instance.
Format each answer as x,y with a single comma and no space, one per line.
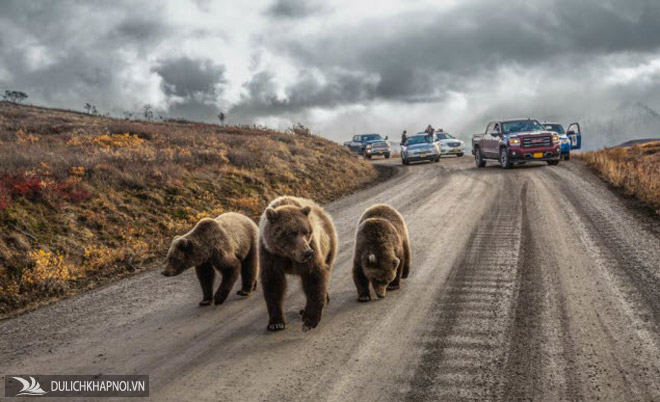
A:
343,66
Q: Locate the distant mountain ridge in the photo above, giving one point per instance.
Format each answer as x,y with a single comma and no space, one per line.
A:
627,122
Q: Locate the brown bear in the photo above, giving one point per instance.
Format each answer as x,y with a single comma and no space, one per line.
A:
297,238
382,251
228,244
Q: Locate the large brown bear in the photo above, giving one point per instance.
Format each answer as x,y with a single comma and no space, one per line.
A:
228,244
382,251
297,238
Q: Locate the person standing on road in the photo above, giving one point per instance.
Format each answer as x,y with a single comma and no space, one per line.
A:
404,137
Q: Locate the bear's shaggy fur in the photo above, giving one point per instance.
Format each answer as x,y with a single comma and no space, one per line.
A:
382,251
297,238
229,244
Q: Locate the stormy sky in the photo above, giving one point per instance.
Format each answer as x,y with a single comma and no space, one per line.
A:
340,67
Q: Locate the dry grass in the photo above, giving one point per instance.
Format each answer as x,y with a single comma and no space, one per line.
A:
85,199
635,169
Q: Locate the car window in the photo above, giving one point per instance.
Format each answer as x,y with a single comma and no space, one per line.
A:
372,137
443,136
517,126
555,127
418,139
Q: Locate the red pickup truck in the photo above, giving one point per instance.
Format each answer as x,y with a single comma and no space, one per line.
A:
515,141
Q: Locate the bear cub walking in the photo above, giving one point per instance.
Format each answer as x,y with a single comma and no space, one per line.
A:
297,238
382,252
227,244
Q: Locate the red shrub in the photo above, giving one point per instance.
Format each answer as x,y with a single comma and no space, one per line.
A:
33,188
28,187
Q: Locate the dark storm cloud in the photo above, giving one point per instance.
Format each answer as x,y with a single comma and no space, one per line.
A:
294,8
418,57
333,89
190,78
67,53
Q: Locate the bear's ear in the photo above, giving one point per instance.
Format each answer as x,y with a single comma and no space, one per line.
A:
306,210
371,259
271,215
185,245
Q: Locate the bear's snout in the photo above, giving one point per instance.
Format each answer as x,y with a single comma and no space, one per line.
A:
308,255
167,271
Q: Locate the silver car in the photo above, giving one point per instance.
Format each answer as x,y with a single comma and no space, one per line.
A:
419,148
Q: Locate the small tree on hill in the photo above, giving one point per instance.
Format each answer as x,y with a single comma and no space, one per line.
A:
148,112
14,96
222,117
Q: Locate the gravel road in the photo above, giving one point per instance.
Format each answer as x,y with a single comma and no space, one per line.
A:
535,283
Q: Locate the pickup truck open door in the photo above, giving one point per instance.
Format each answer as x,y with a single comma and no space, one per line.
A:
575,135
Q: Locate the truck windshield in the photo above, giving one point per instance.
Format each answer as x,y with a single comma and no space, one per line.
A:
371,137
418,139
518,126
557,128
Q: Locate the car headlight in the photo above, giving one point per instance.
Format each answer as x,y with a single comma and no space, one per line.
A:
555,138
514,141
368,147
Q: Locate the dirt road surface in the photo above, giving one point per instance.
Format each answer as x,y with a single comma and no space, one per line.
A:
535,283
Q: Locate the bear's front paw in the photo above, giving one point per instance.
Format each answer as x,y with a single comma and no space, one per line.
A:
205,302
393,286
364,298
310,321
278,326
243,293
219,300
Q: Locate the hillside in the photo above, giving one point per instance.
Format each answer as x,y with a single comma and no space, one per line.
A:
635,169
85,199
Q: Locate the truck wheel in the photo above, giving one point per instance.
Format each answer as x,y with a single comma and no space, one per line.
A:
366,156
504,159
567,157
553,163
387,156
479,159
459,155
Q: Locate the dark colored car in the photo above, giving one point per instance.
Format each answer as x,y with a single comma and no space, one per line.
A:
369,145
516,141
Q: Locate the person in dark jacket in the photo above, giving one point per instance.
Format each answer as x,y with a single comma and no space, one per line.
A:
429,130
404,137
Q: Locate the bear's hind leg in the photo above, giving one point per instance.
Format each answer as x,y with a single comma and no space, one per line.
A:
249,272
206,277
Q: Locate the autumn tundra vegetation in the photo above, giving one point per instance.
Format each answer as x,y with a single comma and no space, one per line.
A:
85,199
635,169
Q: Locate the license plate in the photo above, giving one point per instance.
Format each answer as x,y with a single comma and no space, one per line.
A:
538,155
423,155
456,149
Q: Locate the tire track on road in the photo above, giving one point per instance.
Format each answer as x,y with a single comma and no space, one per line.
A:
465,344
